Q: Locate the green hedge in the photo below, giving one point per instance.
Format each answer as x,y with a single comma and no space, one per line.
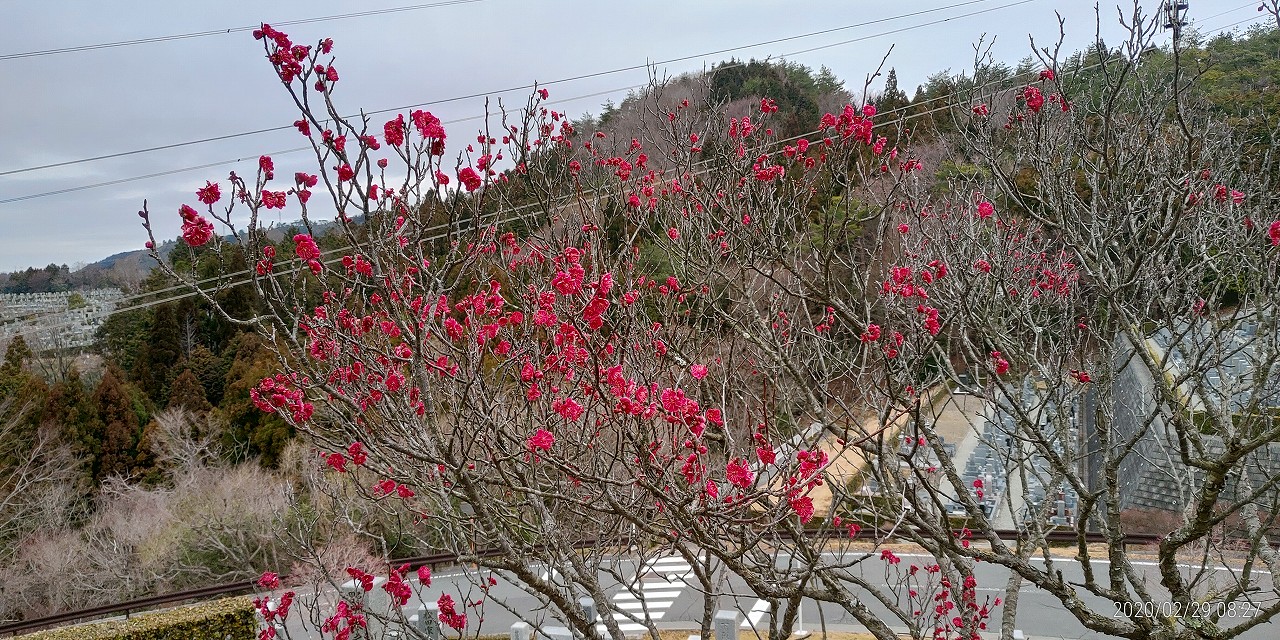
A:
226,619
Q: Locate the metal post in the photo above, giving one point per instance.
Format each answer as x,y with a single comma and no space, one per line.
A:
1175,12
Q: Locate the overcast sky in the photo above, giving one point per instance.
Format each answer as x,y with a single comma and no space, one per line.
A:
75,105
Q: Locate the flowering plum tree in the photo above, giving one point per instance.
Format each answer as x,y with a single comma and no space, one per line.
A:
561,355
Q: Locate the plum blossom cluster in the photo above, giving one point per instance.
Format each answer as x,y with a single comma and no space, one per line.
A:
272,611
950,611
292,61
283,393
355,453
196,230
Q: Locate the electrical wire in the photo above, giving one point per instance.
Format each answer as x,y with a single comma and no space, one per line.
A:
281,152
1247,5
219,32
222,279
300,149
1240,22
472,96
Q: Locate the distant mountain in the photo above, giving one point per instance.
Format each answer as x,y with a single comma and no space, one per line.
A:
125,270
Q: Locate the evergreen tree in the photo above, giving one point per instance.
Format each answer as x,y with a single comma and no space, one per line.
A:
16,356
251,432
70,406
187,393
210,370
22,394
118,427
162,351
121,338
893,98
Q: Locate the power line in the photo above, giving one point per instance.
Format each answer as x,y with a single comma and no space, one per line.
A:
1240,22
299,149
223,277
296,265
1247,5
472,96
216,279
219,32
281,152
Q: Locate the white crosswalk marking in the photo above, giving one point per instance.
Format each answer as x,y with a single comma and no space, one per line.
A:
671,563
659,582
651,605
757,613
671,567
667,592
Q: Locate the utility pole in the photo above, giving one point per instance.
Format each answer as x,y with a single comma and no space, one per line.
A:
1175,14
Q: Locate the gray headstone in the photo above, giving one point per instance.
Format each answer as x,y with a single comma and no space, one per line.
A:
521,631
725,625
376,602
428,621
557,633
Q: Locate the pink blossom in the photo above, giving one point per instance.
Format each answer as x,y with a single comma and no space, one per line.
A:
766,454
738,474
337,461
357,453
196,231
803,507
449,615
305,247
1001,365
469,178
568,408
1035,99
541,439
269,580
209,193
985,209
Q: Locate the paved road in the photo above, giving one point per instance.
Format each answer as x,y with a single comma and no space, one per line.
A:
664,592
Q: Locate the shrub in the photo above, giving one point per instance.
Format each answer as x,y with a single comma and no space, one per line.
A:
226,619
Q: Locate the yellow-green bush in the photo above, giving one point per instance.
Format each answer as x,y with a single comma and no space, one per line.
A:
226,619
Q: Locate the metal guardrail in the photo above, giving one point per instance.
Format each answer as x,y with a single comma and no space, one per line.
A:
153,602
